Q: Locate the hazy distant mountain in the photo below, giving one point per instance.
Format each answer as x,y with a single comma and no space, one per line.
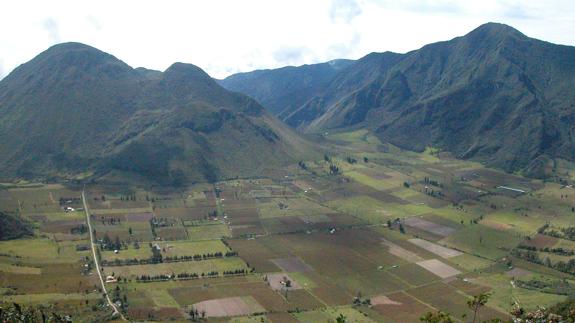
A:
285,89
76,109
493,95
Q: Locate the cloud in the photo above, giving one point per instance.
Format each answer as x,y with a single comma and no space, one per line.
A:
517,12
425,6
343,11
292,55
51,27
93,21
259,34
345,49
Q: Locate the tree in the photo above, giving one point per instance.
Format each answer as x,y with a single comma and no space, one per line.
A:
18,313
437,317
130,230
477,303
117,243
341,319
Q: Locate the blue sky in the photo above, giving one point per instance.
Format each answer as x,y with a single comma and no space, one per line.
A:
227,36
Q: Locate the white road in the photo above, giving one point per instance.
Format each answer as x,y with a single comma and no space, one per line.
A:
112,305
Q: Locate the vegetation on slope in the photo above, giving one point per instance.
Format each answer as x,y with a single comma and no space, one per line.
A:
493,95
74,109
12,227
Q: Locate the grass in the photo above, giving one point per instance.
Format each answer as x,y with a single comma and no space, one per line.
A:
198,267
355,136
120,211
249,319
518,222
290,207
350,260
554,257
375,211
190,248
483,241
454,215
470,262
49,298
450,300
313,316
363,207
62,216
565,244
161,297
331,314
405,193
378,184
24,270
303,280
40,249
143,253
504,295
208,232
430,155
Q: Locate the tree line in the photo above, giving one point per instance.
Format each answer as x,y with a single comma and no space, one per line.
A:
160,259
189,276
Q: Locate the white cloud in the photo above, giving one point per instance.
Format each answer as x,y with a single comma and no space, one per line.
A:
227,36
51,27
344,10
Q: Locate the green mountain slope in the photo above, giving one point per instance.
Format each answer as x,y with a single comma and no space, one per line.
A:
285,89
74,109
493,95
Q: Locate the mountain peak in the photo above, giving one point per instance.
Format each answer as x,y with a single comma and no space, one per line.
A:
186,72
494,29
72,52
74,108
71,61
187,79
70,46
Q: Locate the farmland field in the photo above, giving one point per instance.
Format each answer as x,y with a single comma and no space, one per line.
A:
374,243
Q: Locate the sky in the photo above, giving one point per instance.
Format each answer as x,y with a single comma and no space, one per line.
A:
229,36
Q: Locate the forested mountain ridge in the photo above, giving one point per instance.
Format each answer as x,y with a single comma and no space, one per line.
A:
493,95
75,109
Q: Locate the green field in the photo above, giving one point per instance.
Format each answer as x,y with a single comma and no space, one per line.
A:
329,233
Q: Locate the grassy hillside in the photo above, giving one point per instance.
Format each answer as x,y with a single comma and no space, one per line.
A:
76,110
493,95
285,89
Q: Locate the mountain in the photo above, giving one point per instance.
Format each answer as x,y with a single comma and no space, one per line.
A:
493,95
285,89
74,109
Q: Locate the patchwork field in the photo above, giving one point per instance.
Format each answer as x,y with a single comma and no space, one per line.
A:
393,235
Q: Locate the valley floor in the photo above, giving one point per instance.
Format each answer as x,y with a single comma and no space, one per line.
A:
369,232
